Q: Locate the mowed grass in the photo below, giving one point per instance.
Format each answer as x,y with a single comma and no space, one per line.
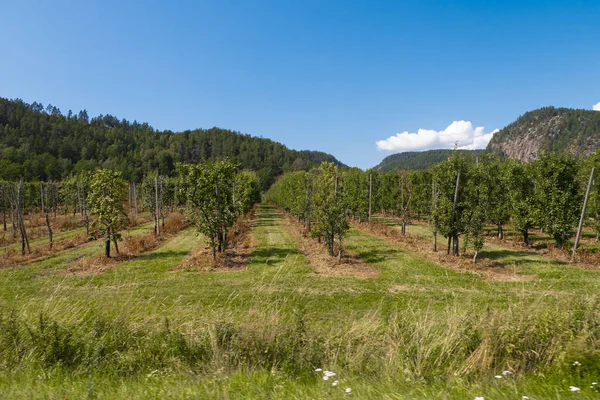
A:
144,330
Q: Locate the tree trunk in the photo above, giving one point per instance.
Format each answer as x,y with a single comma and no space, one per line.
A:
455,246
49,228
156,208
526,237
21,222
107,244
500,232
213,247
435,241
597,233
135,201
449,244
332,251
475,257
115,243
403,228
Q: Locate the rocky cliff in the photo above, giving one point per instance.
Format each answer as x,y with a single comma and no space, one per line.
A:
549,129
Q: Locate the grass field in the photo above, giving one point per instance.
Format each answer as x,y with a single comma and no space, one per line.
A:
145,329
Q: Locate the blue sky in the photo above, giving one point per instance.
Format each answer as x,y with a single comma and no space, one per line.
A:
335,76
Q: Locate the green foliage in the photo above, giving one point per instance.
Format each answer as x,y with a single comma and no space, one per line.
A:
246,191
208,190
319,199
108,192
521,194
330,209
39,144
420,160
558,195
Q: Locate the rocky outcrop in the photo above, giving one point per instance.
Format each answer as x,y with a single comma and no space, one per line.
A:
549,129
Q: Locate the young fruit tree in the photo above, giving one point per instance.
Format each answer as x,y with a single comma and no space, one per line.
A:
521,197
108,193
557,195
330,207
208,190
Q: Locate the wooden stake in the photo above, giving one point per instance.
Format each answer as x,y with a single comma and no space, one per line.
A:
370,194
585,201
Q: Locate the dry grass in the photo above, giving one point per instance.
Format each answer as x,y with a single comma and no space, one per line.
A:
241,243
13,257
349,264
130,247
487,269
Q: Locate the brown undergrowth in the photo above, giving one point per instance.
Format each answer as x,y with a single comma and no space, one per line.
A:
349,264
240,244
12,257
129,248
585,258
487,269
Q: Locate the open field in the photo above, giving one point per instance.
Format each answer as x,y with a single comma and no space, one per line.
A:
145,328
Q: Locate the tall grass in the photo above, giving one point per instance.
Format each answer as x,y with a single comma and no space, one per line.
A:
432,346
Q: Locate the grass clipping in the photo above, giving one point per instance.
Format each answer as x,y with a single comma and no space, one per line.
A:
130,247
487,269
349,264
240,244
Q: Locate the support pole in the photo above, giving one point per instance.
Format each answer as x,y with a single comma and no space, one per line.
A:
585,201
370,194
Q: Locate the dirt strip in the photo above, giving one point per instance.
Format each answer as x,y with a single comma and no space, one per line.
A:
131,247
487,269
349,264
241,243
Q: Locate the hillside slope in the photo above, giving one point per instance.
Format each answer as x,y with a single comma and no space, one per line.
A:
414,160
549,129
42,143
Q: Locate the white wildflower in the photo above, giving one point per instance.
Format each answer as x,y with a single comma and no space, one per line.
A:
348,390
329,373
318,370
325,378
577,363
335,383
594,383
480,398
574,389
498,377
525,397
506,373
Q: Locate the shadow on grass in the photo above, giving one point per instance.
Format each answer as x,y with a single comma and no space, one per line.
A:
375,256
273,255
162,255
508,256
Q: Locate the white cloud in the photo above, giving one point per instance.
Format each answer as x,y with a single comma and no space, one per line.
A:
425,139
596,107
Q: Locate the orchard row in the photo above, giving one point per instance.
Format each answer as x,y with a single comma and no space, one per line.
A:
213,194
461,196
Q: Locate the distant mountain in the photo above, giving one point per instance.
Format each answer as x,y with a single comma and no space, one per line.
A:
414,160
39,142
549,129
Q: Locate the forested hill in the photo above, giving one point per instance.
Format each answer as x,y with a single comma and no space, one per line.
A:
415,160
549,129
39,142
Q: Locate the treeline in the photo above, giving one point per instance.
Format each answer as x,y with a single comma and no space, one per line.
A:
460,196
214,194
42,143
415,160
